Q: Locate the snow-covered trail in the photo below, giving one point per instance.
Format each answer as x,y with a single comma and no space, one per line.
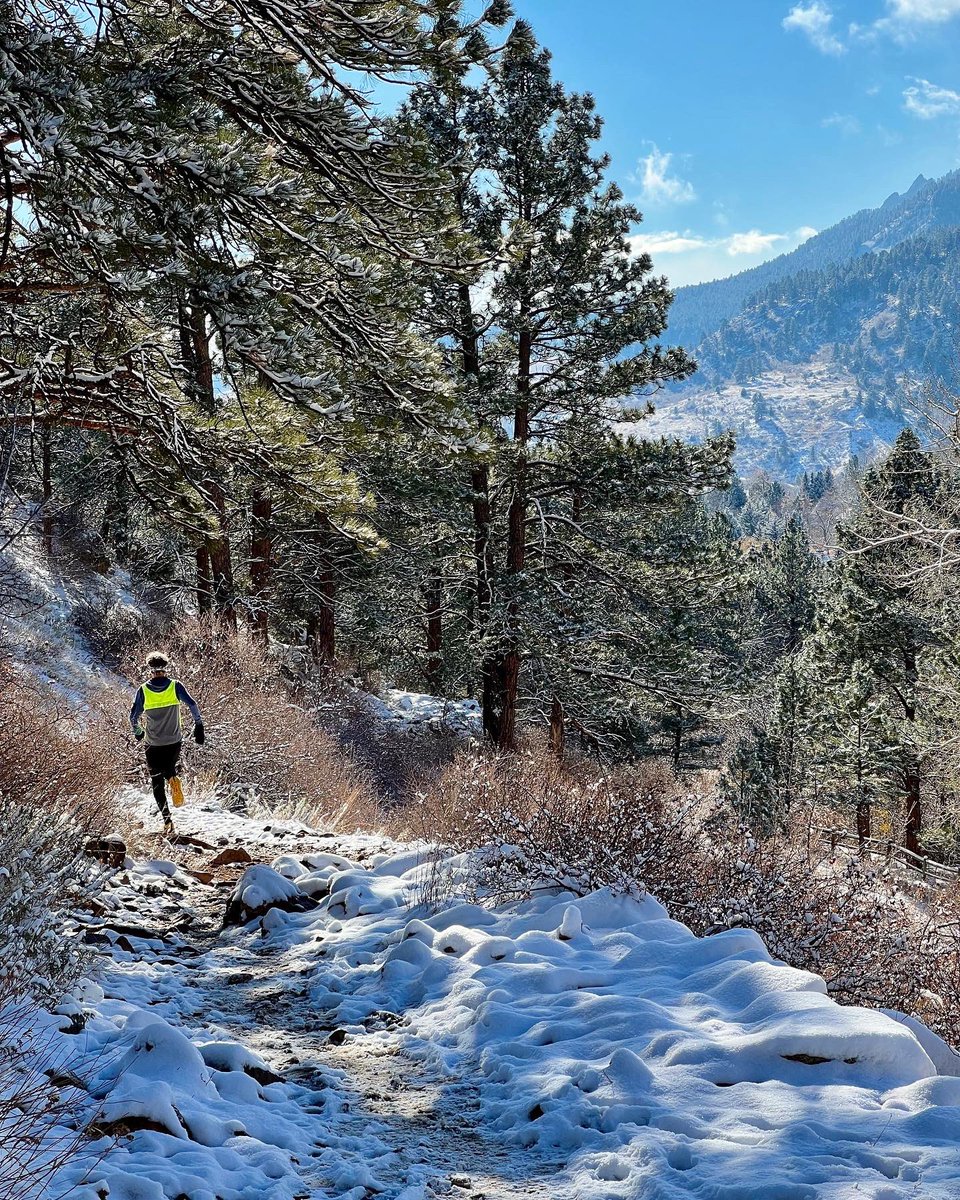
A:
369,1117
351,1042
427,1127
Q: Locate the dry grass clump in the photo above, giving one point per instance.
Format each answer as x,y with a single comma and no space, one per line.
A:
260,742
56,784
54,757
533,823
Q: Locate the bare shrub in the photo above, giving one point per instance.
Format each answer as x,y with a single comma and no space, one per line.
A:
44,877
258,738
399,762
541,824
108,628
534,824
41,1101
53,758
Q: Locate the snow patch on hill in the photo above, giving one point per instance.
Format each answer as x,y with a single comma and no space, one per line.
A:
787,421
41,603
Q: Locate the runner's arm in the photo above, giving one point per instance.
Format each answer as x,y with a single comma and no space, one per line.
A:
136,712
185,698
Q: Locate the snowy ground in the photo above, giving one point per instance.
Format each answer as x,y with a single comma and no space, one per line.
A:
415,712
559,1048
39,630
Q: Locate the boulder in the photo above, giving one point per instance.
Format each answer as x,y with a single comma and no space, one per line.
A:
232,856
261,889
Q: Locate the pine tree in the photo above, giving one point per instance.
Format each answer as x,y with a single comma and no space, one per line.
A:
871,666
573,312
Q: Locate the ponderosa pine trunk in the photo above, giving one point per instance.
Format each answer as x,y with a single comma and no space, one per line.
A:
204,581
482,516
221,559
46,512
483,559
261,561
863,823
433,602
195,350
911,768
677,753
508,666
558,729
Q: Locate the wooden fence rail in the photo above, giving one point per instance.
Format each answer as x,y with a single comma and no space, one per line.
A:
890,852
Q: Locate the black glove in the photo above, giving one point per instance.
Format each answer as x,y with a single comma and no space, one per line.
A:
198,735
139,734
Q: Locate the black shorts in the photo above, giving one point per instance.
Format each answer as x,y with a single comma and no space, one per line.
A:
163,760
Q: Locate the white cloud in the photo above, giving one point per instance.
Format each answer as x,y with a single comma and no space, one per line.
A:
929,100
658,185
695,257
923,11
752,242
907,17
667,242
815,21
848,125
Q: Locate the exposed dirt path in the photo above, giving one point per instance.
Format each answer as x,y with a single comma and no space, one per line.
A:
357,1086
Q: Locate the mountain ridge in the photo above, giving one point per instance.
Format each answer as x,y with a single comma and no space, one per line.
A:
812,358
700,309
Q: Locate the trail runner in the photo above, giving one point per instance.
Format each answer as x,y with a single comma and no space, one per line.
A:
155,717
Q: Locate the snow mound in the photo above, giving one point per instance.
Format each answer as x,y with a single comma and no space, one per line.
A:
260,889
649,1060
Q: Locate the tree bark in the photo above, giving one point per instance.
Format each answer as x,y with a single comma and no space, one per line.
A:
677,737
322,623
508,672
261,561
221,559
558,729
195,351
482,515
483,560
433,599
204,580
863,823
46,513
911,769
914,822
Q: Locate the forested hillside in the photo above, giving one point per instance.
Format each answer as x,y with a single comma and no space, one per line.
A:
882,316
700,310
822,356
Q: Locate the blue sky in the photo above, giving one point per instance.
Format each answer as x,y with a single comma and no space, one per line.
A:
741,126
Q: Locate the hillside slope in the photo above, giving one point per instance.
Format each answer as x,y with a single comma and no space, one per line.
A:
824,358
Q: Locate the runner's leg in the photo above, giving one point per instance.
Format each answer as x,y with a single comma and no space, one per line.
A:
156,763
